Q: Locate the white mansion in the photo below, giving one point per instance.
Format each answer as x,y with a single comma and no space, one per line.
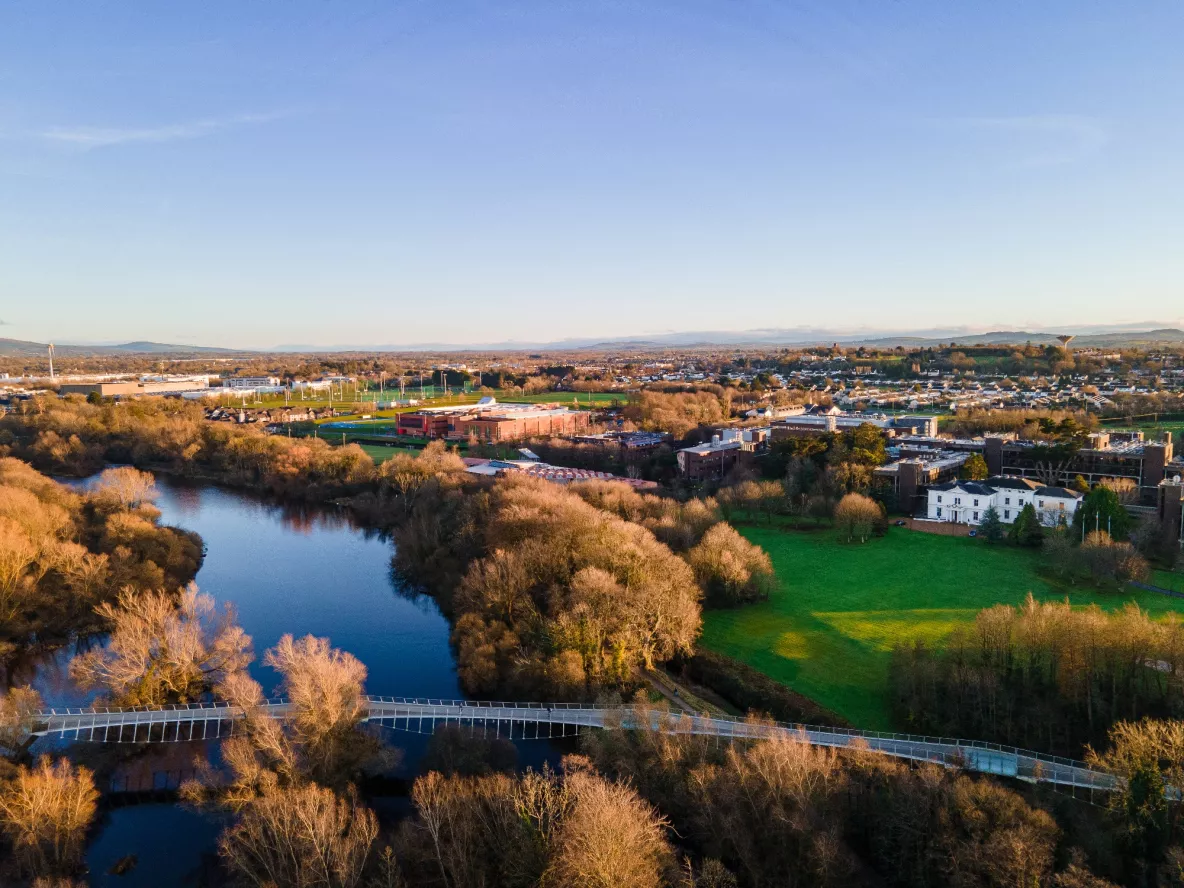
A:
964,502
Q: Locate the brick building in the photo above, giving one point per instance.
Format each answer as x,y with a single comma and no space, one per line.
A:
488,420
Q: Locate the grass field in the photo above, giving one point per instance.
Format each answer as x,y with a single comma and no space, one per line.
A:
828,629
1152,430
381,454
437,398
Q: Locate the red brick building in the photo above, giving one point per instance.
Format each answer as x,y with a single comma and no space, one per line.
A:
491,421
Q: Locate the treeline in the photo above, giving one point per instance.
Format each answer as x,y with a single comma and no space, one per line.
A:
783,812
680,412
72,436
561,592
637,810
64,552
1044,676
550,590
1029,424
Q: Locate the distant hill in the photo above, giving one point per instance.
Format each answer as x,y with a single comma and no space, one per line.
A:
19,348
1097,337
1125,338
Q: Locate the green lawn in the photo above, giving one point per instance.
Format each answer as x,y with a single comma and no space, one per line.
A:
828,629
380,453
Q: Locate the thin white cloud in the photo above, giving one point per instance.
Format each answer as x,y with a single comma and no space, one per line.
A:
1047,139
102,137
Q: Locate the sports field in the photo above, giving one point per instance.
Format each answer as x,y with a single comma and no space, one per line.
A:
381,454
828,629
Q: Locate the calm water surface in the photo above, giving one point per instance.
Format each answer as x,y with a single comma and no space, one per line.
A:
284,570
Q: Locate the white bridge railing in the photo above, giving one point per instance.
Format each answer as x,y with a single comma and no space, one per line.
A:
205,721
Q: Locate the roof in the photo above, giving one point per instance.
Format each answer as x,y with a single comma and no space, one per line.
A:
978,487
975,488
1058,492
713,446
1011,482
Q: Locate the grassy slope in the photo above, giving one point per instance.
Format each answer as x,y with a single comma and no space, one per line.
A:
828,630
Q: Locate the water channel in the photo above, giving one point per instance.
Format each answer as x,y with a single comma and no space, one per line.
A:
284,570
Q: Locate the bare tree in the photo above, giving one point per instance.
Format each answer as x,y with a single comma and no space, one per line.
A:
125,485
163,651
611,838
45,811
856,516
319,739
18,555
16,717
301,837
324,687
729,568
1126,489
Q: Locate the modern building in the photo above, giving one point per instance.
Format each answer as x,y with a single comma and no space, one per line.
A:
1170,507
907,479
487,420
133,389
712,460
833,420
249,382
632,442
1111,454
965,502
555,474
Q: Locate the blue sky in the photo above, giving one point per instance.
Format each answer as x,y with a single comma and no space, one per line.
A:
253,174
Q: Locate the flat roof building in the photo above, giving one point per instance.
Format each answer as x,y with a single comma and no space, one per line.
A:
487,420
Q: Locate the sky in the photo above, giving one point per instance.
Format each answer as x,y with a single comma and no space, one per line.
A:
252,174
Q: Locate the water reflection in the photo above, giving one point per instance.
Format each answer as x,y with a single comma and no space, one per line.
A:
285,569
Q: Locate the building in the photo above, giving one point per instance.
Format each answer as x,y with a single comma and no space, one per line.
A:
631,442
712,460
487,420
965,502
906,479
250,382
555,474
1170,507
1112,454
833,420
133,389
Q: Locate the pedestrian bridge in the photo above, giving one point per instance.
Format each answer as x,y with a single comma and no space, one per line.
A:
206,721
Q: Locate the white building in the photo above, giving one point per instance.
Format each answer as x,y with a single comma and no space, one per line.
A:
965,502
250,382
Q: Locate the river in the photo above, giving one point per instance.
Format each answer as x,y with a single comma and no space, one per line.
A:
284,570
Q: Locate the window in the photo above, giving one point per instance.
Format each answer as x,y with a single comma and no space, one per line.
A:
939,511
1062,506
939,500
1007,513
1007,501
976,516
957,501
1042,504
976,502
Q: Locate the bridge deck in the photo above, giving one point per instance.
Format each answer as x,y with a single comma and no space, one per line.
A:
213,720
